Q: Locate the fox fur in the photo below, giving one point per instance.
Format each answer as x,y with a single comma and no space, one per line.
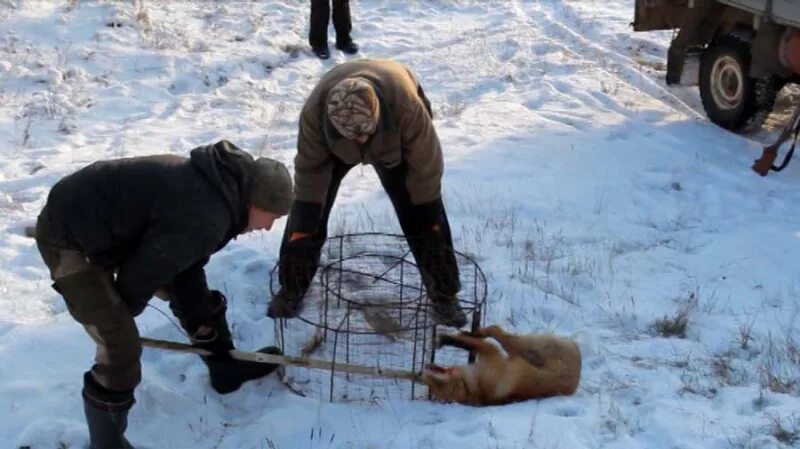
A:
533,366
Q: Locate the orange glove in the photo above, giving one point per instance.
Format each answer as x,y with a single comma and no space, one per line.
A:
298,235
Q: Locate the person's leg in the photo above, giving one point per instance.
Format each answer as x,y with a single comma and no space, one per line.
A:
393,182
430,241
299,257
441,252
343,25
93,301
106,414
318,27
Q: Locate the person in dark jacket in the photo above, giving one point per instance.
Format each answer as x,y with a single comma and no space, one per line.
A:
372,112
118,232
318,28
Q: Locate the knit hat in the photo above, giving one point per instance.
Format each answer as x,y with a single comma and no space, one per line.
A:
353,107
272,188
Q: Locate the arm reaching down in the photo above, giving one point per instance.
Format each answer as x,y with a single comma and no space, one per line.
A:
162,258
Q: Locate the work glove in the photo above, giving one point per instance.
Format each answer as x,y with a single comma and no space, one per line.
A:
305,217
437,258
298,264
429,215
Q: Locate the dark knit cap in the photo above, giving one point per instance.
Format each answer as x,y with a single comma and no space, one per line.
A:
272,188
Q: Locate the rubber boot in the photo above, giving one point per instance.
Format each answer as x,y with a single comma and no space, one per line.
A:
349,47
106,415
228,374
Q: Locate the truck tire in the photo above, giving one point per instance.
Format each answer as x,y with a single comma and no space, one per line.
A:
731,98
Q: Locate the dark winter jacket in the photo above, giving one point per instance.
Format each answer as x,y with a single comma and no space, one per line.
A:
154,219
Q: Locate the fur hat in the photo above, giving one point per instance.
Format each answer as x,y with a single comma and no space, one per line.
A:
353,108
272,188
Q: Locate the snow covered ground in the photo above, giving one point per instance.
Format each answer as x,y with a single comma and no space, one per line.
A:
601,205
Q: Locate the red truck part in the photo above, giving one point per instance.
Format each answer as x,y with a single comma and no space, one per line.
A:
790,50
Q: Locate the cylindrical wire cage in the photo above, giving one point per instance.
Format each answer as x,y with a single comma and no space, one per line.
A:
368,306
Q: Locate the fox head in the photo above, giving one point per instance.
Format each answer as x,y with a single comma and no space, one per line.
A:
446,384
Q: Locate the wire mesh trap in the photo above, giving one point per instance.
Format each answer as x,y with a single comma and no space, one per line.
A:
368,306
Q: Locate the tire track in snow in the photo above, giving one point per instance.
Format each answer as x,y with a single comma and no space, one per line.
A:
574,42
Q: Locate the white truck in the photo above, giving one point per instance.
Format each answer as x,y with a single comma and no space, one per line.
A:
748,49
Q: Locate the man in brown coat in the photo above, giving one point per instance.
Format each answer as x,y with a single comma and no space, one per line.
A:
372,112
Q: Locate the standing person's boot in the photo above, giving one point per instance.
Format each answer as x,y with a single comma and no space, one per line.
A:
106,415
318,28
349,47
343,24
322,52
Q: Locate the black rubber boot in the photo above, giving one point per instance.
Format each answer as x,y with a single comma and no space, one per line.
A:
322,52
348,47
106,414
228,374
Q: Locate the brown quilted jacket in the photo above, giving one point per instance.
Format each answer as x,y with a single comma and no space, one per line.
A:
405,133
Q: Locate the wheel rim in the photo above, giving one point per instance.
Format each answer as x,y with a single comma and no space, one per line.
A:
727,83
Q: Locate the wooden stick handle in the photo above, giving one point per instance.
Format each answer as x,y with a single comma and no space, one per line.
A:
286,360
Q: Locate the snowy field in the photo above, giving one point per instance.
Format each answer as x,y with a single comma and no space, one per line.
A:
601,205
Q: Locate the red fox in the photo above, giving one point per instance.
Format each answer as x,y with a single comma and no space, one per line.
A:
534,366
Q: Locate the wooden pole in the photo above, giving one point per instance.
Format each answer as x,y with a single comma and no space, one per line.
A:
286,360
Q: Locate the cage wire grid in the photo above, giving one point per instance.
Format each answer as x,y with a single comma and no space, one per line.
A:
367,305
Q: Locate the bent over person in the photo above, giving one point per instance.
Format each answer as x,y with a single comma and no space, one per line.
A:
115,232
372,112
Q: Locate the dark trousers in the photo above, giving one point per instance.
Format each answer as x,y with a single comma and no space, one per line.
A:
93,301
320,13
436,260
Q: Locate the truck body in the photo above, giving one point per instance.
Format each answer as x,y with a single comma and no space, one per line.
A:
748,50
667,14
